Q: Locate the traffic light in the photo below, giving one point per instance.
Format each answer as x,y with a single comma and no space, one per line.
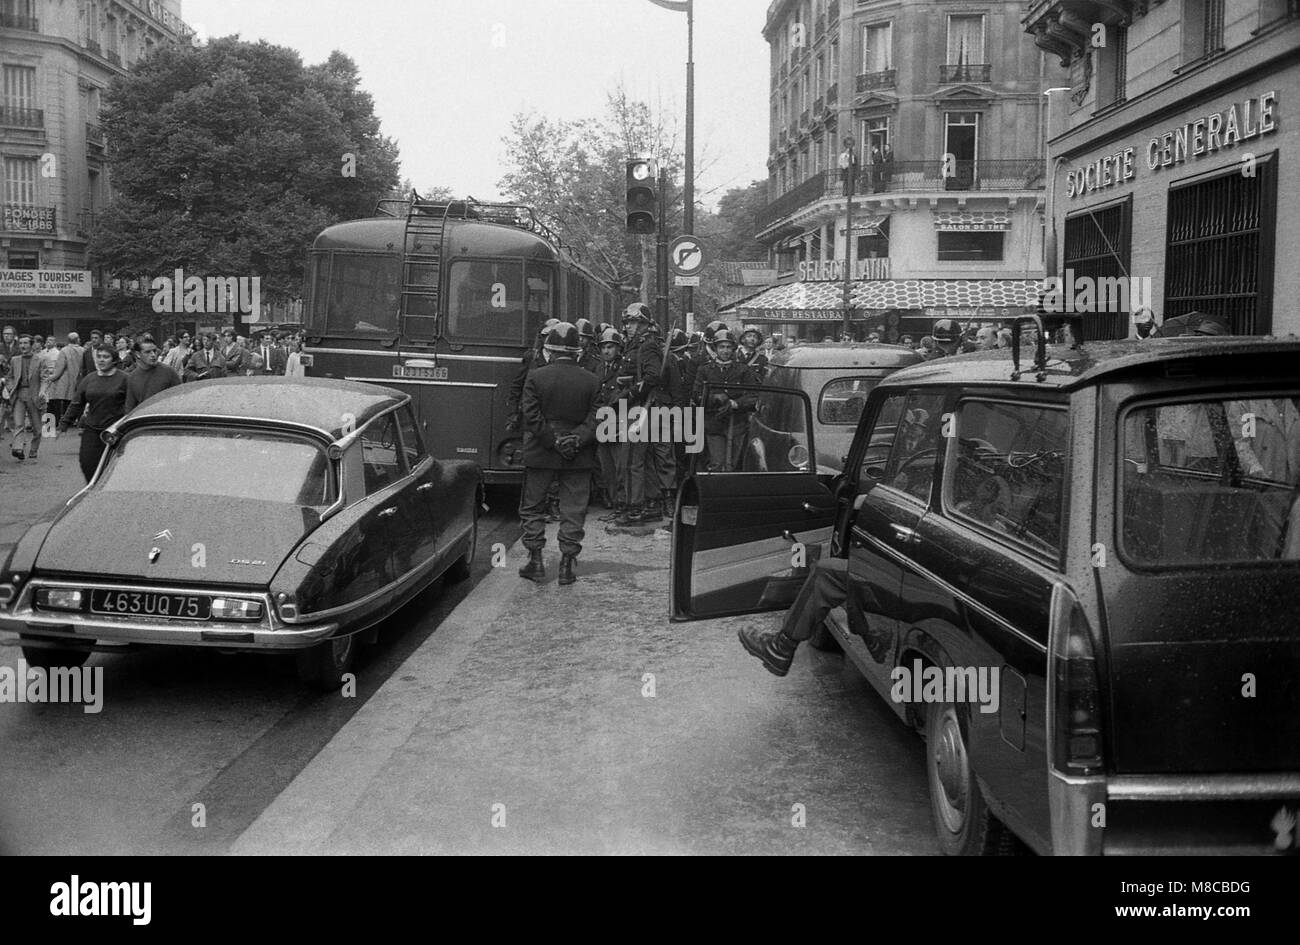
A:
642,196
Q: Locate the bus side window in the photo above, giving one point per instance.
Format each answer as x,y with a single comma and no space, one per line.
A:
541,293
484,301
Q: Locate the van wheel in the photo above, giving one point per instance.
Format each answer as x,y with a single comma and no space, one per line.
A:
459,571
962,820
52,659
323,665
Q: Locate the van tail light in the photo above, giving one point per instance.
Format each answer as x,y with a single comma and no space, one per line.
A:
1074,696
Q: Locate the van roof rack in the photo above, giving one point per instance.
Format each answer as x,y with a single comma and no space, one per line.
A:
505,214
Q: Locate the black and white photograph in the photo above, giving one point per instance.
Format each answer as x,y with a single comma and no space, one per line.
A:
651,428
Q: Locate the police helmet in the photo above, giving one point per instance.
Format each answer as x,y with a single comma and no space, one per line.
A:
638,312
585,329
564,339
946,329
724,337
678,341
611,336
546,328
755,331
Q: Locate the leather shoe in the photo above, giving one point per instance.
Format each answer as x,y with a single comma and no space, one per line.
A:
772,647
535,569
566,569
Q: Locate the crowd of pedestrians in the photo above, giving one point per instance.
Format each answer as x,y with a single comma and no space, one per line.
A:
46,386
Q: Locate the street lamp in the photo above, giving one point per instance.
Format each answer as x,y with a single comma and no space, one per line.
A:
849,164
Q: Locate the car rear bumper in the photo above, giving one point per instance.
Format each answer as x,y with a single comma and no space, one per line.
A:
72,627
1174,814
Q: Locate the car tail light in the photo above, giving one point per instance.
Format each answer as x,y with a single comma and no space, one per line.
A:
230,608
59,598
798,456
1074,699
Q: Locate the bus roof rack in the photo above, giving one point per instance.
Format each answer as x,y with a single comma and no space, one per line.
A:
506,214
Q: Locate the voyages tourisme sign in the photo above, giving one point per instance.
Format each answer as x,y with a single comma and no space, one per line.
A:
61,283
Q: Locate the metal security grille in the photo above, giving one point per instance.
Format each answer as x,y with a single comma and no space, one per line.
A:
1219,252
1097,245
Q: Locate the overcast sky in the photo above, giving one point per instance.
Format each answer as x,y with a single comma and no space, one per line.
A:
447,92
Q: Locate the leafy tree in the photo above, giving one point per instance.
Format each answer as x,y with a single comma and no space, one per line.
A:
229,159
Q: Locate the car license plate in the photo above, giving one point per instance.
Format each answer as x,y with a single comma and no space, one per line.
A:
147,604
420,373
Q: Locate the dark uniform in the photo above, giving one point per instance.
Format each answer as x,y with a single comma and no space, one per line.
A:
756,360
612,456
724,426
559,417
651,470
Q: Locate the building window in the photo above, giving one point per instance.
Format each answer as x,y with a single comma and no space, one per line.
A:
1097,246
819,76
804,100
20,182
877,48
1219,248
960,149
966,40
1112,73
24,259
835,61
970,245
1213,33
875,140
19,89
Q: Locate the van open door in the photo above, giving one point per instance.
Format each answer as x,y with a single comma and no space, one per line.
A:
744,539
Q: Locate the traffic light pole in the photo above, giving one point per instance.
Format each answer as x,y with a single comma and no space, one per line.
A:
688,215
661,258
849,174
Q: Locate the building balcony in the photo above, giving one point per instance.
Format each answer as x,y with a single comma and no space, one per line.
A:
11,21
93,46
876,80
21,117
96,141
113,57
895,177
804,120
819,106
1065,27
966,72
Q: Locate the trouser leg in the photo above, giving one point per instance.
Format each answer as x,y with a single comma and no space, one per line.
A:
532,506
717,450
665,464
575,494
825,588
611,473
636,462
92,448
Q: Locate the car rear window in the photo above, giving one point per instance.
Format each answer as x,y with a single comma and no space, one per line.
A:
842,400
1211,481
221,464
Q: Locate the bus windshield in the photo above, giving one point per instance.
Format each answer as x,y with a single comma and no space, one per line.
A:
356,293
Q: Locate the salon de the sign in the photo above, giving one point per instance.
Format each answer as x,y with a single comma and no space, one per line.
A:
1239,123
832,270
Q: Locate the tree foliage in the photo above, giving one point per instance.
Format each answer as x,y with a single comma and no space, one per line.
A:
230,158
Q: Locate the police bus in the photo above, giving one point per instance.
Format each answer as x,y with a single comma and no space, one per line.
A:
442,299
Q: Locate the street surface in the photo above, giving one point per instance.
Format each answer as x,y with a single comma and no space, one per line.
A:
531,697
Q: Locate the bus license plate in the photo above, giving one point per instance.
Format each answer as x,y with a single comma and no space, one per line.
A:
420,373
145,604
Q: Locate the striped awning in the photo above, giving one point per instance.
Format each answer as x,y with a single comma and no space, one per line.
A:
804,301
972,220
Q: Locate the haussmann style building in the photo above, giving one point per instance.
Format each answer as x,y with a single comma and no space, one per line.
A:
1173,158
943,103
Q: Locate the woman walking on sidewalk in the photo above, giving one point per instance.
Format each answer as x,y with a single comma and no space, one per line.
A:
104,393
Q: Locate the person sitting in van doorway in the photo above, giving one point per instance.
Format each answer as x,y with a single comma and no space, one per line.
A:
726,412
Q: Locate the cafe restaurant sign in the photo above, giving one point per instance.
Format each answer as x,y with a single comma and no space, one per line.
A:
832,270
1240,122
60,283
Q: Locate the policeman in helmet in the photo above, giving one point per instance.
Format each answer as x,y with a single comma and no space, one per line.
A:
651,469
590,358
532,358
751,351
947,338
725,410
559,419
613,456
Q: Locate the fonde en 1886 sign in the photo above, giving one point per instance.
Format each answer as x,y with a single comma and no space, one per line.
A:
1240,122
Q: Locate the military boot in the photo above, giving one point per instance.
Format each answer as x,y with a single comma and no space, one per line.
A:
566,569
535,569
772,647
617,511
631,516
652,511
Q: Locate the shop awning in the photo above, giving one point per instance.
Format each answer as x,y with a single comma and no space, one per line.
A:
972,220
823,301
870,225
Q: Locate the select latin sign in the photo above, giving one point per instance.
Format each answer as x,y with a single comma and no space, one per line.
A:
60,283
832,270
1238,123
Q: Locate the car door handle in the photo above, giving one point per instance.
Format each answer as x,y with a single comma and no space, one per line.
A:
391,510
810,508
903,533
424,488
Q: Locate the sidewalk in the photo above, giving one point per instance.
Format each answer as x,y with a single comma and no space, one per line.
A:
532,697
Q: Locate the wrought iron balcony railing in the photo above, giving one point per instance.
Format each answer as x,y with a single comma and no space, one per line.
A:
12,21
1015,174
21,117
876,80
966,72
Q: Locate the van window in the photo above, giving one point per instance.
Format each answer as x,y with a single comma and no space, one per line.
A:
918,426
361,293
842,400
485,300
1006,470
1211,481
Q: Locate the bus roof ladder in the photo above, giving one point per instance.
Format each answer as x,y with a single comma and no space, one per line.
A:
422,245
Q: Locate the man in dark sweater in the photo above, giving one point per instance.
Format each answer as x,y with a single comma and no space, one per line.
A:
149,376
